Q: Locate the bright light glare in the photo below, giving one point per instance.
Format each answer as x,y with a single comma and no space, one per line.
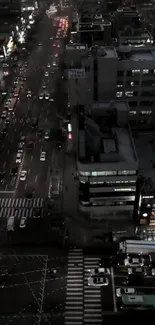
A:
69,136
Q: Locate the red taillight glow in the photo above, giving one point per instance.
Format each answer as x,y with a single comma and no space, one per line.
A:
69,136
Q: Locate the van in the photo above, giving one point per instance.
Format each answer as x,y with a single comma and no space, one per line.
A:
10,223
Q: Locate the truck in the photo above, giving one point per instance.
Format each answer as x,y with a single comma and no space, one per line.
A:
143,247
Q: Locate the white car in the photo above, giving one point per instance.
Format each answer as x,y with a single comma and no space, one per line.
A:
51,99
19,158
127,291
54,64
134,261
23,223
153,272
48,65
29,94
41,96
4,114
46,74
43,156
99,271
98,281
23,175
137,271
39,44
47,96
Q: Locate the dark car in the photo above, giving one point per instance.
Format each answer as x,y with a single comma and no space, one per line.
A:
30,195
112,260
30,145
34,123
40,132
14,171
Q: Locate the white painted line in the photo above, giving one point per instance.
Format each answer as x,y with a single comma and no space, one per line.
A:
113,290
36,178
6,192
18,177
4,164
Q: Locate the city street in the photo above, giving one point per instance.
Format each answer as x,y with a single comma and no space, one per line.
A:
28,108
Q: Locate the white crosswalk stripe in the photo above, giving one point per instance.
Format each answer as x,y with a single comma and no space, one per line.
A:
21,203
19,207
74,292
92,295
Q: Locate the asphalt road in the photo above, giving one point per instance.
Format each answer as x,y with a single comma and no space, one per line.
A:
29,108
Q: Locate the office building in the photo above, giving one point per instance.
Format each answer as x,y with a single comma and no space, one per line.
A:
92,30
107,162
104,73
135,37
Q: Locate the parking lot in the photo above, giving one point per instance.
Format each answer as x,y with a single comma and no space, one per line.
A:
30,291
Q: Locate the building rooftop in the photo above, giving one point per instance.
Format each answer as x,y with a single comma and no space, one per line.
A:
105,51
105,138
136,32
136,54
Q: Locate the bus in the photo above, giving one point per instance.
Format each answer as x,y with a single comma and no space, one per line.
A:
12,104
144,247
17,90
138,301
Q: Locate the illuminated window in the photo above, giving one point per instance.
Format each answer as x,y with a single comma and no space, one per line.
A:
145,71
137,71
146,113
119,94
129,93
132,113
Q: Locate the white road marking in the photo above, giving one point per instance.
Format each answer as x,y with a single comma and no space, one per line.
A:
18,177
36,178
4,164
113,290
31,158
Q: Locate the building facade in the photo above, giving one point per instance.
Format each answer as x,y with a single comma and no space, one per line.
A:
107,162
106,73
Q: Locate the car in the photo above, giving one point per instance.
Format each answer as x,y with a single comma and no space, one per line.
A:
51,37
99,271
39,44
137,271
41,96
19,158
40,131
47,96
29,94
20,146
43,156
22,223
30,145
46,74
134,261
54,64
153,272
34,123
47,134
23,139
14,171
98,281
37,213
48,65
44,86
127,291
4,114
51,99
23,175
7,121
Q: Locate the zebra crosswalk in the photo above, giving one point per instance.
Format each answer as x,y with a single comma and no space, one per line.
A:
74,294
21,203
83,303
92,295
19,207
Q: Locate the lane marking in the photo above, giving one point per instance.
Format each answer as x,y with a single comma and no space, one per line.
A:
18,177
113,290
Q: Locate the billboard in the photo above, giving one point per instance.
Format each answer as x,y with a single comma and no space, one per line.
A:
76,73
